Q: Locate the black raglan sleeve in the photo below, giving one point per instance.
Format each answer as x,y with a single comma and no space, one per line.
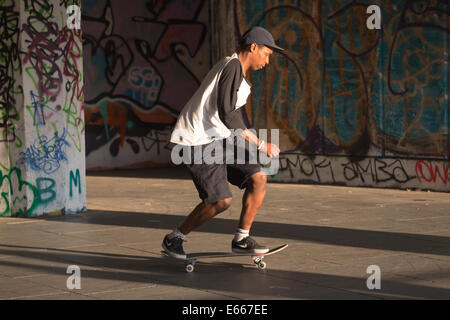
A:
229,83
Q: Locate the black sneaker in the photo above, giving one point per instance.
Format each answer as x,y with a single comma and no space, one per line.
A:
174,247
247,245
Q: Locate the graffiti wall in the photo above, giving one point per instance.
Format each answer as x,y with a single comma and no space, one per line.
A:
143,61
42,167
355,106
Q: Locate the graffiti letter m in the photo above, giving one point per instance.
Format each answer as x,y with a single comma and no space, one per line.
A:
75,179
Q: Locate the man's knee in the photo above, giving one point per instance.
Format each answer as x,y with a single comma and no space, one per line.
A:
257,181
223,205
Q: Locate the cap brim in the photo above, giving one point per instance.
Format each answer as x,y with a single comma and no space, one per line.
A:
275,48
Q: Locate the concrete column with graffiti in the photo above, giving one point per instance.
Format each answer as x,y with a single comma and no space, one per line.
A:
43,150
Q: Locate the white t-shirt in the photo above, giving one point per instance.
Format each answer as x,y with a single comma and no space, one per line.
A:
199,122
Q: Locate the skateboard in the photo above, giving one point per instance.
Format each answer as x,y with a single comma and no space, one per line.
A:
191,258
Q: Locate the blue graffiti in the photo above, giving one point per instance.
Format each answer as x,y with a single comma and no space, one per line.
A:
39,106
46,154
146,84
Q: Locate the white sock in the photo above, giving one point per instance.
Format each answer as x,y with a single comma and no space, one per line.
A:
241,234
177,233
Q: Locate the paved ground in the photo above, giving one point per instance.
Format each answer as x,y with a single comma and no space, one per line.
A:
334,235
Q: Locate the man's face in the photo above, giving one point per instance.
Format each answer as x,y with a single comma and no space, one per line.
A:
260,56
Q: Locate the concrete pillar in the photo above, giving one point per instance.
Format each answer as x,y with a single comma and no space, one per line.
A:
42,151
224,35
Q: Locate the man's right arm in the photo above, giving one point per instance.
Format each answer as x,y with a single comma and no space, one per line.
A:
229,83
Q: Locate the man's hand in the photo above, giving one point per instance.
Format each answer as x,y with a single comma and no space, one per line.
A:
270,149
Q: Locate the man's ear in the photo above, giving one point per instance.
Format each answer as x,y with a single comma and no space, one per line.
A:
253,47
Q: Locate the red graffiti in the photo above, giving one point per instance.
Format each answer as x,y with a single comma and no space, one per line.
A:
46,48
432,172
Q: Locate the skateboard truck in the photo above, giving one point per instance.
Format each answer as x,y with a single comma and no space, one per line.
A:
258,260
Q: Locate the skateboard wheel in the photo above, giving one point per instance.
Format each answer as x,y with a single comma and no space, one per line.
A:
262,265
189,268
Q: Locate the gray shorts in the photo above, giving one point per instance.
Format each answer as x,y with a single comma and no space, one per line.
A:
211,180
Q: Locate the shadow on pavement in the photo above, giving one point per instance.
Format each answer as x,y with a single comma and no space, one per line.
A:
231,280
368,239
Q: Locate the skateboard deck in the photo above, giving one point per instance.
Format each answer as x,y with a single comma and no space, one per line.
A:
192,258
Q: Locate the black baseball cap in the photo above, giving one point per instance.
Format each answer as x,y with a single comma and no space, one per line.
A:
259,36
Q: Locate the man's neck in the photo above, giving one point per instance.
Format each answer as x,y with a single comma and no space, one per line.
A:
243,58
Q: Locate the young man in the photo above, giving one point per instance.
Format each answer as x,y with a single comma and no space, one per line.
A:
206,121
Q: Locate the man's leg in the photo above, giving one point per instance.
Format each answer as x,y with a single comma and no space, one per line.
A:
210,180
203,213
252,199
172,242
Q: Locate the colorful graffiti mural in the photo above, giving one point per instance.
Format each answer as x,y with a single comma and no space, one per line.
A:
41,98
341,89
143,63
363,101
10,64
